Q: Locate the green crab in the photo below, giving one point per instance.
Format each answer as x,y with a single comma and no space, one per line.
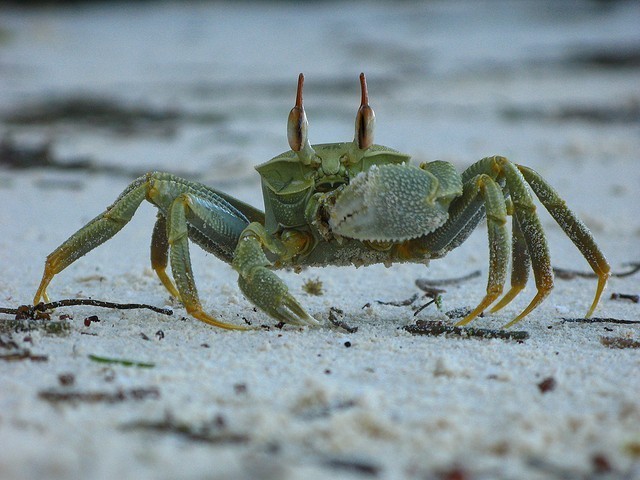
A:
351,203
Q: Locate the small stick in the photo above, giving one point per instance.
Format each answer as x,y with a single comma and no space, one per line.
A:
635,267
23,355
424,283
619,342
437,328
566,274
399,303
600,320
626,296
42,307
120,395
431,292
213,432
333,312
422,307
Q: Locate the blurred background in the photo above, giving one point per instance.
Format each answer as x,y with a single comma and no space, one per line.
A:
92,94
204,88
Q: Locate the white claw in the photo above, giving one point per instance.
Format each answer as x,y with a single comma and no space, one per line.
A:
388,203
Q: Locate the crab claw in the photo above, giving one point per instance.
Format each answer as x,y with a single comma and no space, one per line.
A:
260,285
389,203
266,291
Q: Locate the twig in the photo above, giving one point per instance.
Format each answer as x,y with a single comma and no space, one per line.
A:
120,395
437,328
566,274
626,296
354,466
635,267
425,283
212,432
399,303
32,311
333,312
422,307
619,342
432,292
600,320
23,355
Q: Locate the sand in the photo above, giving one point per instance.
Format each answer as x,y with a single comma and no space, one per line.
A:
288,403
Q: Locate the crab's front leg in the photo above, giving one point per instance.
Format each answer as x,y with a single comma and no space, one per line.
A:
96,232
258,282
185,209
188,210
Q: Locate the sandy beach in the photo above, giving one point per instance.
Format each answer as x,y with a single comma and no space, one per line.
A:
91,96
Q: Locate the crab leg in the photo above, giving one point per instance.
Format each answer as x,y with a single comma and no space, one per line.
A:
496,210
465,213
480,194
520,264
160,254
95,233
525,211
188,211
189,207
259,284
528,223
573,227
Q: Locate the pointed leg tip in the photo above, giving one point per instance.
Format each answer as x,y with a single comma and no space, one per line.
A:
291,312
602,284
504,301
464,322
484,304
208,319
512,322
41,297
593,307
469,318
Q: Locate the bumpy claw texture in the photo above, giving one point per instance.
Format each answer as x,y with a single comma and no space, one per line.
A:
270,294
263,287
389,203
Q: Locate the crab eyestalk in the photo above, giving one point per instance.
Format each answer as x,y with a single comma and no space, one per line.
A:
365,119
297,128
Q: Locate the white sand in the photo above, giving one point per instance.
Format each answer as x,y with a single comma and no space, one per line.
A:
402,404
299,403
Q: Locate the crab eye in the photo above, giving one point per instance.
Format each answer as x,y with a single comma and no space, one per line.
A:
297,125
365,119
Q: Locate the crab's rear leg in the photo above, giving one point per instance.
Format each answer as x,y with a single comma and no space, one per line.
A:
532,231
160,254
573,228
520,263
485,187
190,208
530,246
96,232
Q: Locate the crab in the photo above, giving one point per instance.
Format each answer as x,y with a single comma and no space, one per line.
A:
350,203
